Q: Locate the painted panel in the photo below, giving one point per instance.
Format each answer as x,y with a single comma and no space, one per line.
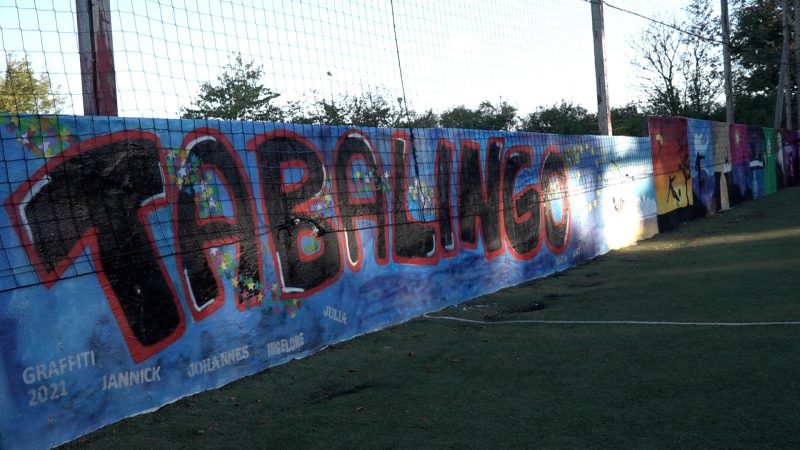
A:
723,176
748,156
740,159
791,175
144,260
701,157
672,172
780,170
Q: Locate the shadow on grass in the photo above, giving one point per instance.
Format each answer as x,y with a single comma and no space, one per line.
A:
434,384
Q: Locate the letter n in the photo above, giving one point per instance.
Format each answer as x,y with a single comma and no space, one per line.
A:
413,241
479,201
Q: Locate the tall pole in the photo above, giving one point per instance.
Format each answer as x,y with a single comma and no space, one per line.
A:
797,54
783,70
603,106
787,85
726,58
98,77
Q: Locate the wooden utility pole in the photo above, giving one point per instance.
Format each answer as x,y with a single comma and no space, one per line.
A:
603,106
784,69
98,77
787,85
797,55
726,58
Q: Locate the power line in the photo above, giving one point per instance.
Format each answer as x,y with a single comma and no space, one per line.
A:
660,22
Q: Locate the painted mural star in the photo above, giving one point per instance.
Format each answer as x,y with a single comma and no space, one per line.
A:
213,251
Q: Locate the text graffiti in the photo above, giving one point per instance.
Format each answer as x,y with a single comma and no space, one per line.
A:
99,193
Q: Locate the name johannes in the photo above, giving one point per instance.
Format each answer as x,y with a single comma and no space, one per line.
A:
219,360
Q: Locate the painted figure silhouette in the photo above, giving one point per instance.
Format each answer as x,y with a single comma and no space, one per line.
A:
697,167
672,192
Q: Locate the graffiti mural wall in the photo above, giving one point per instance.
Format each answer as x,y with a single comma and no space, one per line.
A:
144,260
729,164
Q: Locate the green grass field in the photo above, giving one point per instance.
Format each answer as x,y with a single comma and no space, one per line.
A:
443,384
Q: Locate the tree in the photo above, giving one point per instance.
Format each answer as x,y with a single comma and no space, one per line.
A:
756,53
369,109
679,63
702,73
318,111
22,91
568,118
238,95
428,119
486,117
563,118
658,49
628,120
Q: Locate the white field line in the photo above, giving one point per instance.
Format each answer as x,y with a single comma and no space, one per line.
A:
614,322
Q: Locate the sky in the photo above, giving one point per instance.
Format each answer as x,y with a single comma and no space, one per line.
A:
529,53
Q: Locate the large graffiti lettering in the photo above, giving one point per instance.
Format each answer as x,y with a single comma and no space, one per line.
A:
367,201
522,211
288,206
130,176
196,237
555,188
96,195
479,197
413,241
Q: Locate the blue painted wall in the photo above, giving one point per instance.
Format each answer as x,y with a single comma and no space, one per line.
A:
144,260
